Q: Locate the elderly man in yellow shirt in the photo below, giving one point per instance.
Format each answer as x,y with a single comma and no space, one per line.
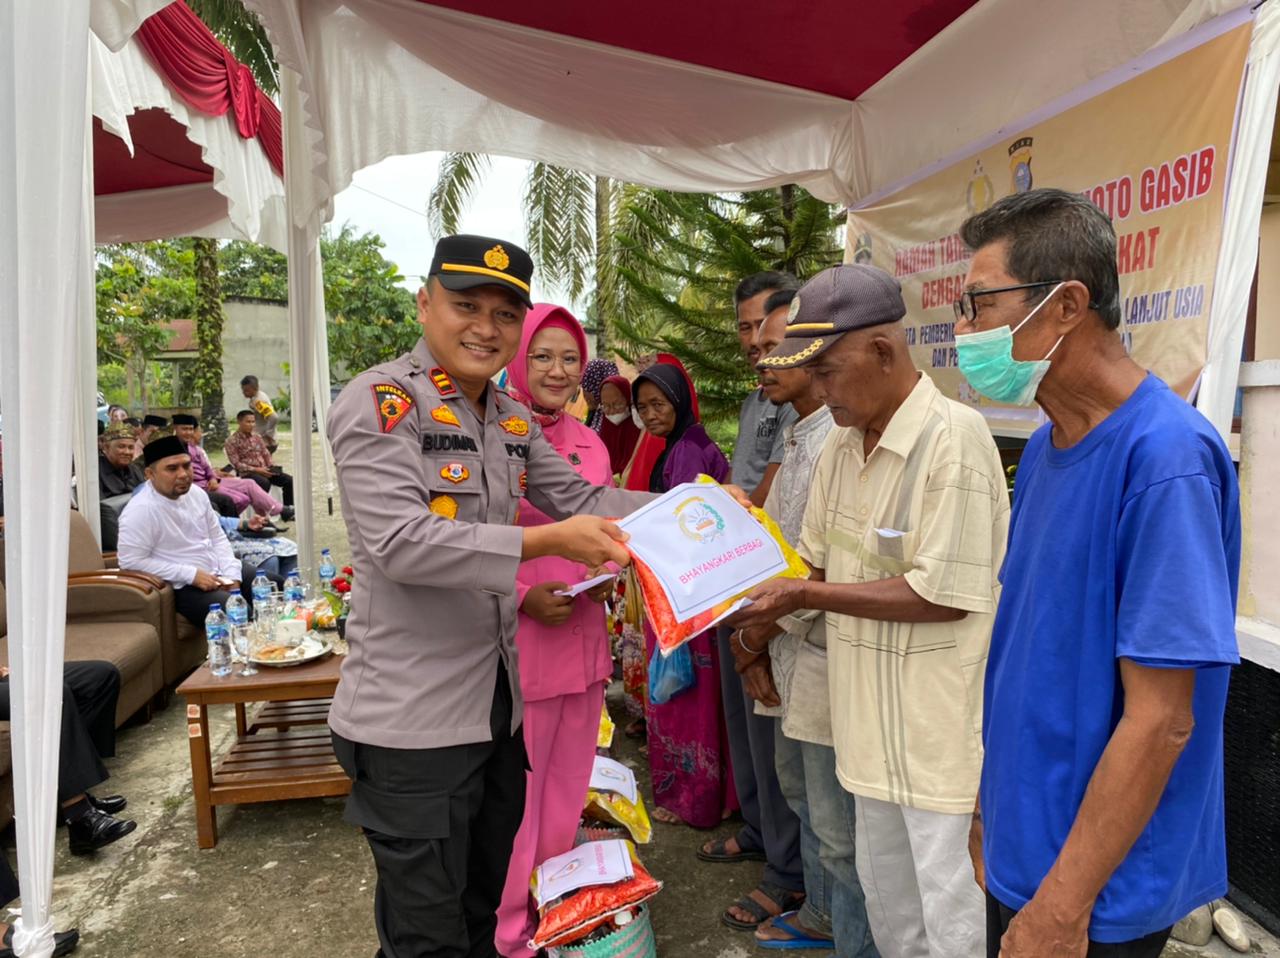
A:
905,530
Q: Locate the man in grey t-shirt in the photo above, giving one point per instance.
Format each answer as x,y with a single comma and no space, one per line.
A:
770,830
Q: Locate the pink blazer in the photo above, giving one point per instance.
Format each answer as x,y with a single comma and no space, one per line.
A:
567,658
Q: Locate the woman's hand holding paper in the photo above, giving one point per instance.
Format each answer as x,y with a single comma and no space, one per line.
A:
543,605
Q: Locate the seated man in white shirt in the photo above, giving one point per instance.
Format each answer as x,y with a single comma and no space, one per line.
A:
170,530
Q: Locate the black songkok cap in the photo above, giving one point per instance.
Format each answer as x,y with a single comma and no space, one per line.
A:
158,421
163,448
182,419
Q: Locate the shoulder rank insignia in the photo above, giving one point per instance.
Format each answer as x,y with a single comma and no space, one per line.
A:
393,405
446,506
440,379
445,416
455,472
515,425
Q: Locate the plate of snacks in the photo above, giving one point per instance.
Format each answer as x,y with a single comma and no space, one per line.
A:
280,654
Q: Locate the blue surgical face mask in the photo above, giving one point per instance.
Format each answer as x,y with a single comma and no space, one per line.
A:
986,360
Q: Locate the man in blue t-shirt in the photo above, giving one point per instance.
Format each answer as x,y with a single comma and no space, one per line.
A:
1100,814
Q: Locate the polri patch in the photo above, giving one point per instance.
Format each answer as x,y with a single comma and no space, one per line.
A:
445,416
393,405
515,425
455,472
440,379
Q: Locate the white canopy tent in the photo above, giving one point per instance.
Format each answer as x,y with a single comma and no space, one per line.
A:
735,101
64,90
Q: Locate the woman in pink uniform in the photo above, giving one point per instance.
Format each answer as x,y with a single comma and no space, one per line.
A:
563,643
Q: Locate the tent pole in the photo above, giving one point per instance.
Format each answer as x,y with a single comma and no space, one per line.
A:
303,257
86,430
43,106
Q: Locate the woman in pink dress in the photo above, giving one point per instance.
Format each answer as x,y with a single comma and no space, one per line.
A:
562,643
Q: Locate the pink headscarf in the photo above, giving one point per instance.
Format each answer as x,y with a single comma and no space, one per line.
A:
542,315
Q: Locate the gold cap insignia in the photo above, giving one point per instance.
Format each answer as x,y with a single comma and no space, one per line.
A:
497,258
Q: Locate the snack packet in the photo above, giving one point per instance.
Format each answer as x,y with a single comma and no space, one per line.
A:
568,919
672,633
608,806
604,737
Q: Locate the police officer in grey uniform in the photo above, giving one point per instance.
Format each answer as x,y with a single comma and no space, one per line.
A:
433,462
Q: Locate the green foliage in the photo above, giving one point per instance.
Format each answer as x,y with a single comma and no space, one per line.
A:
371,316
247,269
209,323
680,257
140,288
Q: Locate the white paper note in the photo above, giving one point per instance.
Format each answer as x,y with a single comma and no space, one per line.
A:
594,863
702,546
610,776
582,587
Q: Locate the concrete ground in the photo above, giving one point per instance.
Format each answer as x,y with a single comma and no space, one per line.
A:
292,880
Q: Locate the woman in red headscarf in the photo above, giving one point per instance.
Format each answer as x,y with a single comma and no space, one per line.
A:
618,430
563,642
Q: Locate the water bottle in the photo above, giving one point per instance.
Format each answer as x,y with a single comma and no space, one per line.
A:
261,592
327,570
216,631
293,587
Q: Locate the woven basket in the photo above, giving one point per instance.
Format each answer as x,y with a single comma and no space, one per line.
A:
634,940
598,832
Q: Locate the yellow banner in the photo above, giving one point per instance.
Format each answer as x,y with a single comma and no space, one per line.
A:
1152,152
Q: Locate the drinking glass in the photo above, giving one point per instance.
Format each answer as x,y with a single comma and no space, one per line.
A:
245,645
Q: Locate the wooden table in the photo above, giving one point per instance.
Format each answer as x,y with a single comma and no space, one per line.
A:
284,753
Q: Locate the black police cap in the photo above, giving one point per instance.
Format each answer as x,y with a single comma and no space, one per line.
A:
465,262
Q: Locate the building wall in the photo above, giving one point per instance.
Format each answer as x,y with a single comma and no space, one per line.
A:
255,341
1267,341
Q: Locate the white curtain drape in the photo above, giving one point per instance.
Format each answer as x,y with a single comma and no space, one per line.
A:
85,420
1238,255
321,381
126,82
43,252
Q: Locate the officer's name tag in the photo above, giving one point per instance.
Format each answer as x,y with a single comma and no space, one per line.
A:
447,442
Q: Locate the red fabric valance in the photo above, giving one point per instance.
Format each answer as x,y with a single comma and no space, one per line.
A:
208,78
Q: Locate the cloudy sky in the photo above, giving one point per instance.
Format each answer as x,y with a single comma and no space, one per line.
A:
390,199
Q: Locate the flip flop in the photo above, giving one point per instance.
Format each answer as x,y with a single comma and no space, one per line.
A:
785,901
799,937
720,854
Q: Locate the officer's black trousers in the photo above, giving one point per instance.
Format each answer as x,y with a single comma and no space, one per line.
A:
440,823
89,694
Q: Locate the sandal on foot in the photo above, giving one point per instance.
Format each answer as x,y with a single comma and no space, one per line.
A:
798,937
665,816
783,899
717,851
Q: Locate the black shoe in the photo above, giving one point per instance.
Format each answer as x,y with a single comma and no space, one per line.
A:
286,514
95,829
111,804
64,943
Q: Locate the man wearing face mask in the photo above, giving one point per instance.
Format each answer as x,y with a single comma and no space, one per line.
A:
1100,816
904,530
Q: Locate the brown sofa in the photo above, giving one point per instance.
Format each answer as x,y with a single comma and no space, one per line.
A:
182,645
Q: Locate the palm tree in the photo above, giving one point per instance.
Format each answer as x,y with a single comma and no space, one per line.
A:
569,215
242,34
